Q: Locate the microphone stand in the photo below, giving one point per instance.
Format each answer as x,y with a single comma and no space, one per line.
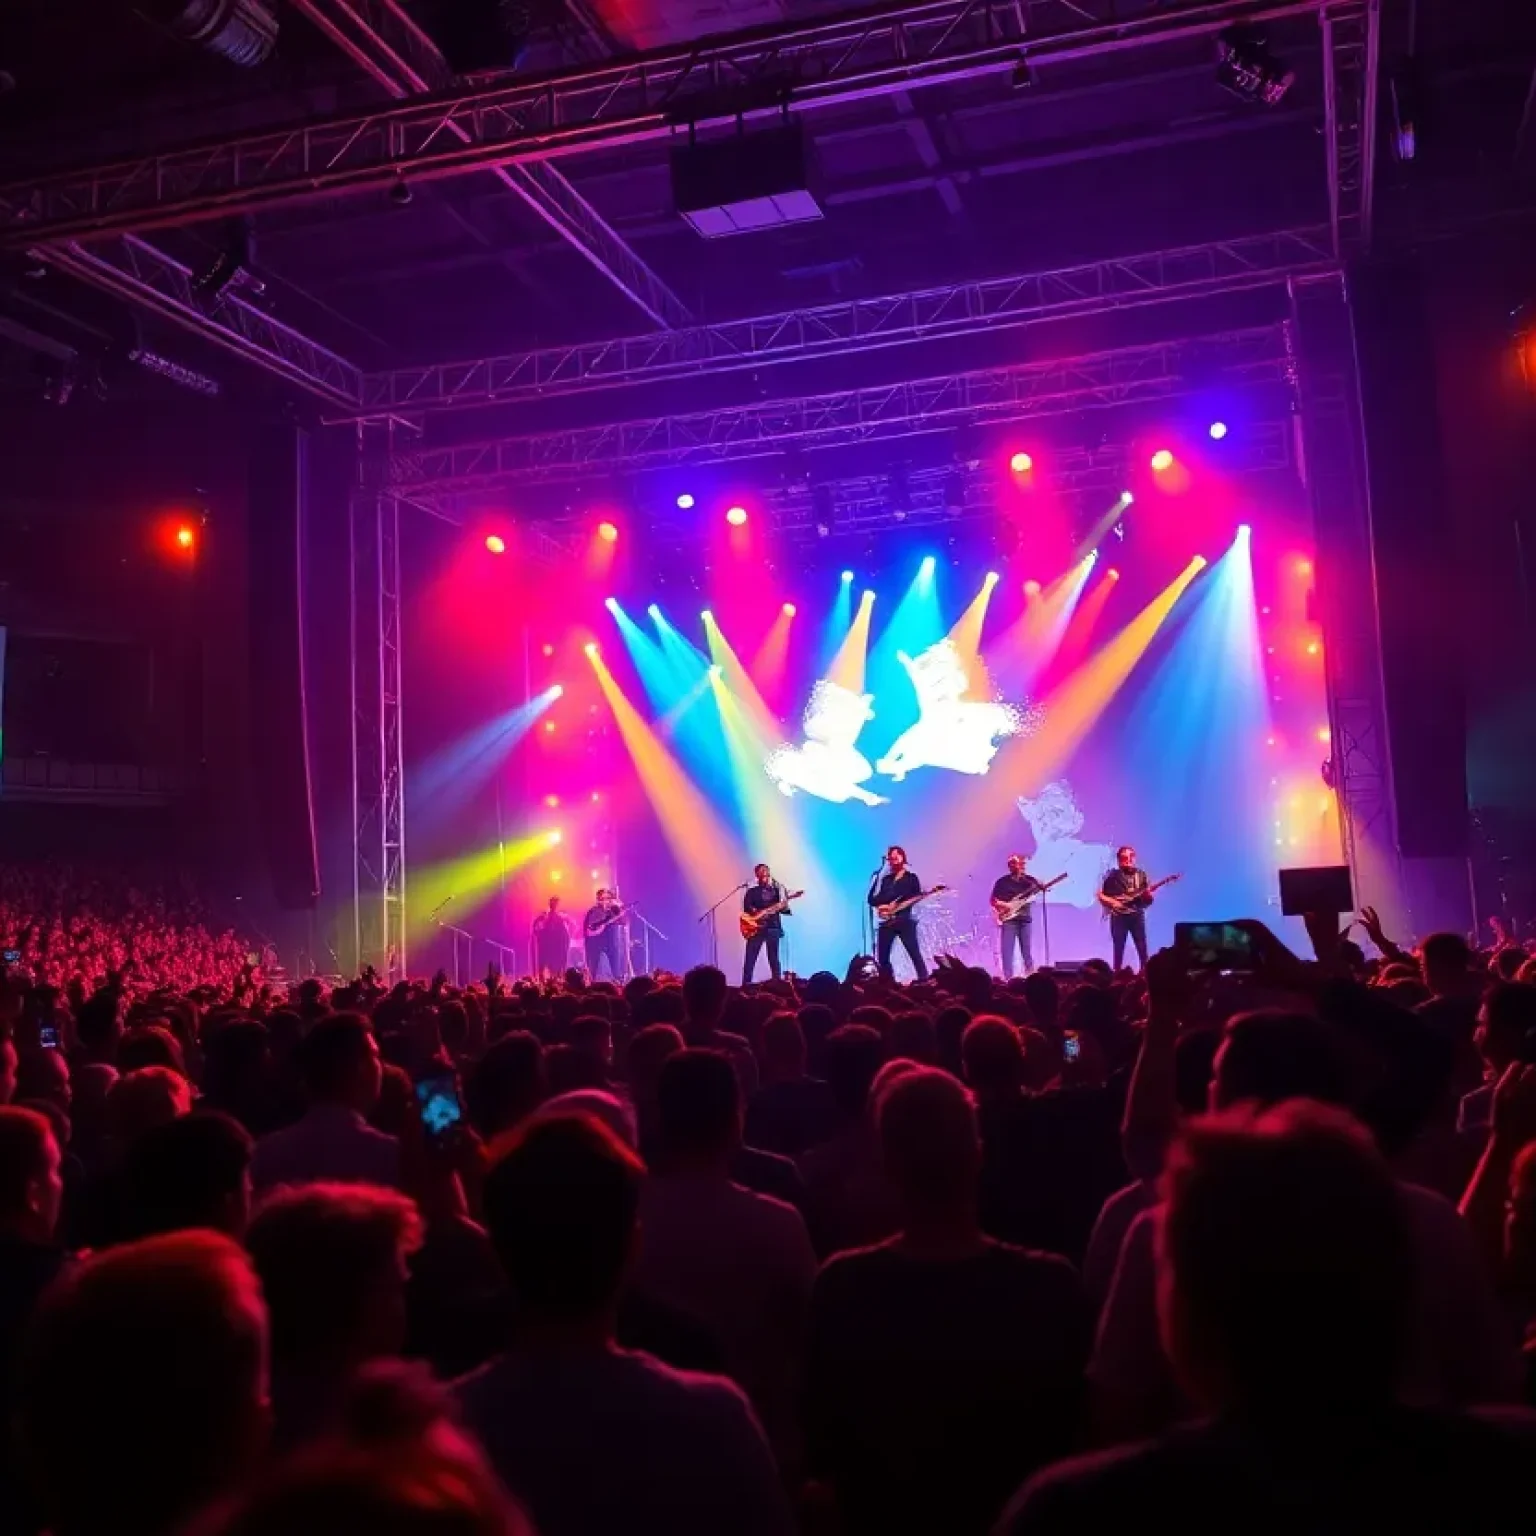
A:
709,917
469,950
1045,926
647,928
868,921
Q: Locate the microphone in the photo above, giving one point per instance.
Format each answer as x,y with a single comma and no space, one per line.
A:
432,916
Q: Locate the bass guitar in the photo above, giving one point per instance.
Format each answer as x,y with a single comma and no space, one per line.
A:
1124,906
893,909
750,922
594,930
1007,911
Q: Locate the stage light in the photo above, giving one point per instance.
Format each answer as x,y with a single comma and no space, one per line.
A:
553,836
1126,498
1112,574
558,691
551,801
548,649
736,517
496,544
185,538
927,566
590,648
1218,431
557,875
867,595
596,796
611,604
549,727
707,616
1324,734
595,874
992,578
1313,648
1303,567
716,670
1244,531
654,610
1031,588
1162,460
1021,463
789,610
847,575
1199,562
608,532
685,502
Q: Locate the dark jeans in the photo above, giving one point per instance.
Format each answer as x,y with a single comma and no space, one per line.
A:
1016,937
606,949
887,936
1132,927
763,939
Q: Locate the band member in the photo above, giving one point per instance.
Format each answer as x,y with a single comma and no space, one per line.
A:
898,884
551,940
1015,933
603,928
1126,884
766,893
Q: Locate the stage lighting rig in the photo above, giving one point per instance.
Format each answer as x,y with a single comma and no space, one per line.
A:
232,267
1246,67
242,31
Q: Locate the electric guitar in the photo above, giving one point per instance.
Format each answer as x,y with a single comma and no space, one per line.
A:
893,909
1124,906
750,922
1007,911
593,930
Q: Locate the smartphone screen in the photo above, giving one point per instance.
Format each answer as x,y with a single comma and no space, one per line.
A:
11,956
438,1099
1071,1046
1214,946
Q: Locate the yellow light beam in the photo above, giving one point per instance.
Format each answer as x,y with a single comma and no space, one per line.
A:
965,634
469,880
847,669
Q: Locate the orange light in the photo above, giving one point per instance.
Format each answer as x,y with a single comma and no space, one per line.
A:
1112,574
590,648
736,517
557,875
608,533
789,610
1324,734
549,727
1162,460
595,797
185,537
1021,463
496,544
551,801
555,837
1303,567
597,874
1313,648
549,650
1031,588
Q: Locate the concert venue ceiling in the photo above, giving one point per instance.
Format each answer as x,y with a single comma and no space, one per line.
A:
1052,162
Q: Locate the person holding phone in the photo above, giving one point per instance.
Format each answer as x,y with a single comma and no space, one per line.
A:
1124,896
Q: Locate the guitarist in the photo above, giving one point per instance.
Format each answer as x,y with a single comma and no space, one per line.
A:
603,929
1015,933
766,893
898,884
1124,896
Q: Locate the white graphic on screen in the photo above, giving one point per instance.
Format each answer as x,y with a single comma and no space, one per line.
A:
952,731
1055,820
827,764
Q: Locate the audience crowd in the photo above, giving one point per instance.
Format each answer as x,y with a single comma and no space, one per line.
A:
826,1255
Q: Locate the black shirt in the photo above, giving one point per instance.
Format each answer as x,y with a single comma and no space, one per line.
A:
1125,882
596,915
1011,887
760,896
897,888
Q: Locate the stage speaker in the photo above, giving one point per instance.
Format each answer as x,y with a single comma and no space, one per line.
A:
277,511
1421,615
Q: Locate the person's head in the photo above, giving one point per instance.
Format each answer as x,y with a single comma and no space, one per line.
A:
704,992
30,1186
506,1084
561,1201
1126,857
190,1173
761,874
43,1074
143,1390
592,1035
896,857
1016,864
1285,1266
783,1048
1268,1056
554,904
913,1036
150,1045
332,1261
1043,994
852,1060
1446,959
340,1063
604,896
1507,1016
993,1059
139,1101
931,1145
698,1110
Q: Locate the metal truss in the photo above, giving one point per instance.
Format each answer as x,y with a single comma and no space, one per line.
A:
389,47
1322,339
378,745
136,271
1351,66
854,325
1149,373
765,71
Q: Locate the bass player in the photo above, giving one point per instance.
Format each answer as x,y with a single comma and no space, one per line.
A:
1012,889
603,929
767,930
1124,895
897,888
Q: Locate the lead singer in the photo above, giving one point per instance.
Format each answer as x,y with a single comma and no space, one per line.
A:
899,884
